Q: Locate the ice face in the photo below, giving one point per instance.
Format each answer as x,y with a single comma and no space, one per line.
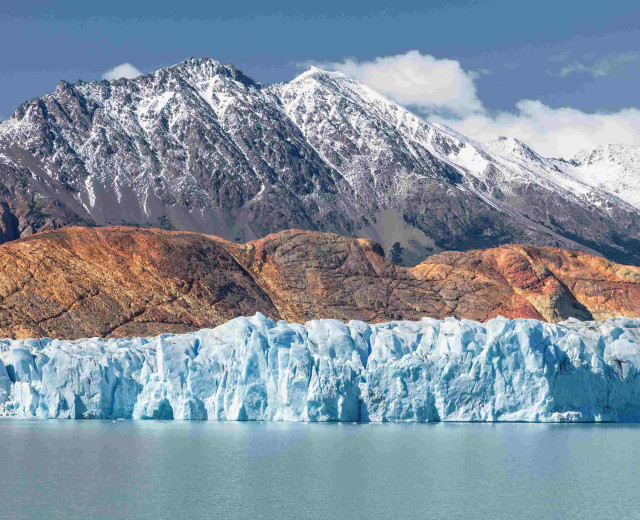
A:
325,370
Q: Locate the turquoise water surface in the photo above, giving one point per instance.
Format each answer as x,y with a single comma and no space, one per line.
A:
129,469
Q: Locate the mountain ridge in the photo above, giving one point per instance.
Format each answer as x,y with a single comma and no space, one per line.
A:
200,146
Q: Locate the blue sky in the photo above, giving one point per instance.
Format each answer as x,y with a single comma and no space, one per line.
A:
582,55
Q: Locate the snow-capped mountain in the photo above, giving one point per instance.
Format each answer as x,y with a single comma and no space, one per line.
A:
200,146
614,168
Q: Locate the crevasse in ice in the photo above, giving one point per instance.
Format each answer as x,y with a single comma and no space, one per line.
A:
257,369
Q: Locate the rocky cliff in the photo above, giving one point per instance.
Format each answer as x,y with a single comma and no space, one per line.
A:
115,282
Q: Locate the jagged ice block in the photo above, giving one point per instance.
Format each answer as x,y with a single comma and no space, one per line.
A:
256,369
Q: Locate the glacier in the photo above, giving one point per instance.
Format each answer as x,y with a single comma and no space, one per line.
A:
253,368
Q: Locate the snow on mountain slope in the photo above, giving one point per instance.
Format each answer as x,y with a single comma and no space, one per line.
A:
194,142
614,168
200,146
385,151
329,106
326,370
357,133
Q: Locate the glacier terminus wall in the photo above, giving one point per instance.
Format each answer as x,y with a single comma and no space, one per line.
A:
256,369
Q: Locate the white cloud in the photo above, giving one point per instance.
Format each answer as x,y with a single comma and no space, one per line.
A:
417,80
125,70
554,132
572,68
444,91
602,67
560,57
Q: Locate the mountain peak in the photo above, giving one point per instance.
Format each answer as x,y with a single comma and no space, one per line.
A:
201,69
201,61
197,65
316,73
513,147
616,153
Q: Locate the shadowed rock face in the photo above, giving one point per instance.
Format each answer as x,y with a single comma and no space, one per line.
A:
115,282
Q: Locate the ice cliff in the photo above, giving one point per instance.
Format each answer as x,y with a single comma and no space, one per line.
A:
326,370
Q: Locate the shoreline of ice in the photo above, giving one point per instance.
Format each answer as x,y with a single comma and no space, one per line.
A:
325,370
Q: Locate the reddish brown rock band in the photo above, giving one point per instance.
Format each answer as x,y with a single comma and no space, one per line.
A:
114,282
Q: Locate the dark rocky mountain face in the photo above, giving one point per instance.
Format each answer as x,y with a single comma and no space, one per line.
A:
200,146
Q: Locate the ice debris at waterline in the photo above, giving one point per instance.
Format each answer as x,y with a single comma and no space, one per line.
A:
326,370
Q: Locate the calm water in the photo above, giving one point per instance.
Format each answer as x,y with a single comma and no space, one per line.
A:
94,469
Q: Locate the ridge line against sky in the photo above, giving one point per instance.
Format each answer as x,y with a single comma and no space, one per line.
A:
574,88
441,90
